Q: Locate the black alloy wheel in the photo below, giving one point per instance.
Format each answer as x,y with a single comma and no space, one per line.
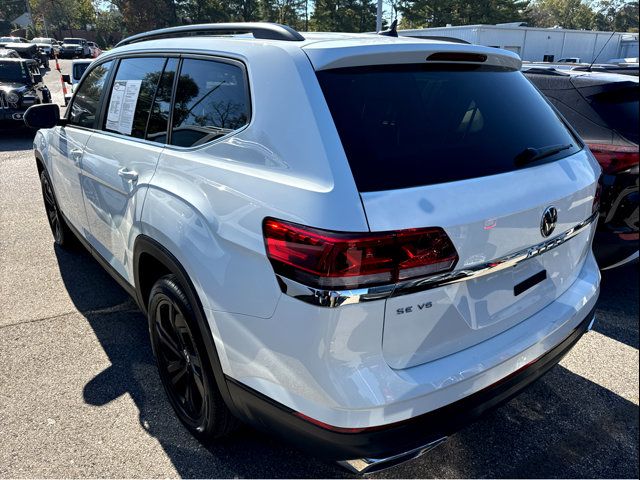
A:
183,363
179,360
61,233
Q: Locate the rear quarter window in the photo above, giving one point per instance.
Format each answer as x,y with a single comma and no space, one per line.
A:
409,125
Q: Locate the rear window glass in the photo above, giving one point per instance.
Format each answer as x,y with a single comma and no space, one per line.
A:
619,108
407,125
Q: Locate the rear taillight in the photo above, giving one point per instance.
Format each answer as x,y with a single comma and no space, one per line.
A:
615,158
337,260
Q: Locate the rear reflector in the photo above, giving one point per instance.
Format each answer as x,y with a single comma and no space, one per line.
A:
338,260
615,158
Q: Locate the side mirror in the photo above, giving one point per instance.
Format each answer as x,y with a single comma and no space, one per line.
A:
37,78
66,78
45,115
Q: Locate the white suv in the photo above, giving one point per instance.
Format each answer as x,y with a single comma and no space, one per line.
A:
357,241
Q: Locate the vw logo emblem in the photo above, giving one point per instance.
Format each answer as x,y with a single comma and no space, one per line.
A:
549,220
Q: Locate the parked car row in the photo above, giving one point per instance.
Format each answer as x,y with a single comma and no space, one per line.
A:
21,87
27,51
67,48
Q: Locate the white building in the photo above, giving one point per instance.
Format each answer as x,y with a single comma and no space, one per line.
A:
540,44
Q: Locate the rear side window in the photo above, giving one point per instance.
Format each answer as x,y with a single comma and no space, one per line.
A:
132,94
619,108
85,103
408,125
211,101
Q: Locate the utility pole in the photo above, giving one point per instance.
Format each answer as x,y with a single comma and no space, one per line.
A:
379,17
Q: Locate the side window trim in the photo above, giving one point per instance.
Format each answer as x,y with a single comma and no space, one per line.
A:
155,94
103,99
174,89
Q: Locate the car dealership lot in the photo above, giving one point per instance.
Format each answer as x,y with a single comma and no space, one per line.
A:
80,394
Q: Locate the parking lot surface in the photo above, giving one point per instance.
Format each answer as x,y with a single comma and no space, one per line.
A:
80,395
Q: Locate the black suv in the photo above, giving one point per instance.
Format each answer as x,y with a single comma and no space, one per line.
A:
603,108
20,87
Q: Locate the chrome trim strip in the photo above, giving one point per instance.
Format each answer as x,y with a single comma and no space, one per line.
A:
630,258
337,298
370,465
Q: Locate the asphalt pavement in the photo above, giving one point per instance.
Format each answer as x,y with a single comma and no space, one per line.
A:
80,395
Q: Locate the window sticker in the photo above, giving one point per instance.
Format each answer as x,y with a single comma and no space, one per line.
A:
122,106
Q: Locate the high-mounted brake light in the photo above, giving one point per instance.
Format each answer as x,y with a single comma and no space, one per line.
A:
338,260
615,158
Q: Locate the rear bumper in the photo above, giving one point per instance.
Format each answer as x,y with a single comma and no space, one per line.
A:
405,436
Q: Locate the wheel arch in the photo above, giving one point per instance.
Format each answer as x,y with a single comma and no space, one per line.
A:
151,255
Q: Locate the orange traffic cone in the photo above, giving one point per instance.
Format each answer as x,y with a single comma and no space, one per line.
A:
57,64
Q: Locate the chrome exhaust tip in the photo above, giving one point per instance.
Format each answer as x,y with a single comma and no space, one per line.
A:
370,465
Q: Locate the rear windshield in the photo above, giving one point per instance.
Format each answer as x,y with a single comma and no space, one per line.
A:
619,108
408,125
72,40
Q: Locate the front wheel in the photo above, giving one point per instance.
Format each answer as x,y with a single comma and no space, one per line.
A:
62,234
183,363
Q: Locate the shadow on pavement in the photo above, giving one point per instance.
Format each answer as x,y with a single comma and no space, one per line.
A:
14,138
619,300
563,426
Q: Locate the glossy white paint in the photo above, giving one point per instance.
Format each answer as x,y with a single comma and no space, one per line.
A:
113,201
206,206
329,364
66,150
484,226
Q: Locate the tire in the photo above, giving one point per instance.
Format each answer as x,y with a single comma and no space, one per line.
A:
62,234
183,363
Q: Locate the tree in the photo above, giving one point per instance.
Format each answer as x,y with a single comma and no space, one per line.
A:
62,14
616,15
143,15
343,16
438,13
573,14
108,27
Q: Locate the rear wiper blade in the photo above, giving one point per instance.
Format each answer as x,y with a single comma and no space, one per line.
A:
531,154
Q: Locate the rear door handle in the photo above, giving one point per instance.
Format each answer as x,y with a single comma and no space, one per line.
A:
129,175
76,156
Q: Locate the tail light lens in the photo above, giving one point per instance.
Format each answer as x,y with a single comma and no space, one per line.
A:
336,260
615,158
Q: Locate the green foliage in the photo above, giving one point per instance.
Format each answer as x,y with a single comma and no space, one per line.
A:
616,15
572,14
438,13
11,9
344,16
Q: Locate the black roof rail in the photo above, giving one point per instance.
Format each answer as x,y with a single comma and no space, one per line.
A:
261,30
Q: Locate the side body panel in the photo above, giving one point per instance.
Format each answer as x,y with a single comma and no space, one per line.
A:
116,172
66,151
